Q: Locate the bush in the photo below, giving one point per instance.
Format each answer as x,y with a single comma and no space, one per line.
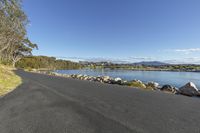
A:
137,84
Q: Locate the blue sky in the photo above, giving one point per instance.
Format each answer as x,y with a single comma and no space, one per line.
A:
118,30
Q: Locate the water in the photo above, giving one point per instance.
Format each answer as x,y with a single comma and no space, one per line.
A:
177,79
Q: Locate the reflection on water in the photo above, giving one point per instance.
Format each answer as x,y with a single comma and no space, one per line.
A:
162,77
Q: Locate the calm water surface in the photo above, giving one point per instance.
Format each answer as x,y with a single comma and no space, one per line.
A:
177,79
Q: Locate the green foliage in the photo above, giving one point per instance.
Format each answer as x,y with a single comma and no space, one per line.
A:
14,43
172,67
44,62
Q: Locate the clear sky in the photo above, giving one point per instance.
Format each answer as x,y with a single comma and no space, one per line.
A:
129,30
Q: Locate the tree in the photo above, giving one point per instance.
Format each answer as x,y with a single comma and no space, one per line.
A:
14,42
44,62
22,49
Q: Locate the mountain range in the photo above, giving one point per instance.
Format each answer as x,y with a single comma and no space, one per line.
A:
150,63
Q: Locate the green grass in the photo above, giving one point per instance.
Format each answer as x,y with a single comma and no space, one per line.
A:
8,80
137,85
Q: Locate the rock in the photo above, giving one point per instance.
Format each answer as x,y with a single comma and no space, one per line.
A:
135,80
79,76
86,77
169,89
106,79
56,74
94,79
152,85
125,82
98,79
90,78
137,84
117,81
189,89
83,77
67,76
74,76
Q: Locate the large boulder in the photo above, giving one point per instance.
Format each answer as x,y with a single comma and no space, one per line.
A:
169,89
74,76
125,82
84,77
116,81
152,85
106,79
99,79
94,79
91,78
67,76
88,78
79,76
189,89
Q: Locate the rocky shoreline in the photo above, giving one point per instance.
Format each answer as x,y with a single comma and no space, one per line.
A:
188,89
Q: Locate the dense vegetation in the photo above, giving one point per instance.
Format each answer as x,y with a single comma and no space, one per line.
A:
169,67
44,62
14,43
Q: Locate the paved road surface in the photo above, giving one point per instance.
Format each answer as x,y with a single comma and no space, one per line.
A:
47,104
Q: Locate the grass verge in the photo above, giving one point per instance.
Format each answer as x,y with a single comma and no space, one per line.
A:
8,80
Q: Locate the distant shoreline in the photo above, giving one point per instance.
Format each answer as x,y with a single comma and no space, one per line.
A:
124,69
142,70
168,70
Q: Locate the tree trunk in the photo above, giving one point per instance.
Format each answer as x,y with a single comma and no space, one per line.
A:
15,60
13,64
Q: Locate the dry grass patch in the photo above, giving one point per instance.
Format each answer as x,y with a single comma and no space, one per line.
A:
8,80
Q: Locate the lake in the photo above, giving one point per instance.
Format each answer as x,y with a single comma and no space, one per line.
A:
177,79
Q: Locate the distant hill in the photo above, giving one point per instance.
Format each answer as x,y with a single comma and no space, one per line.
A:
150,63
